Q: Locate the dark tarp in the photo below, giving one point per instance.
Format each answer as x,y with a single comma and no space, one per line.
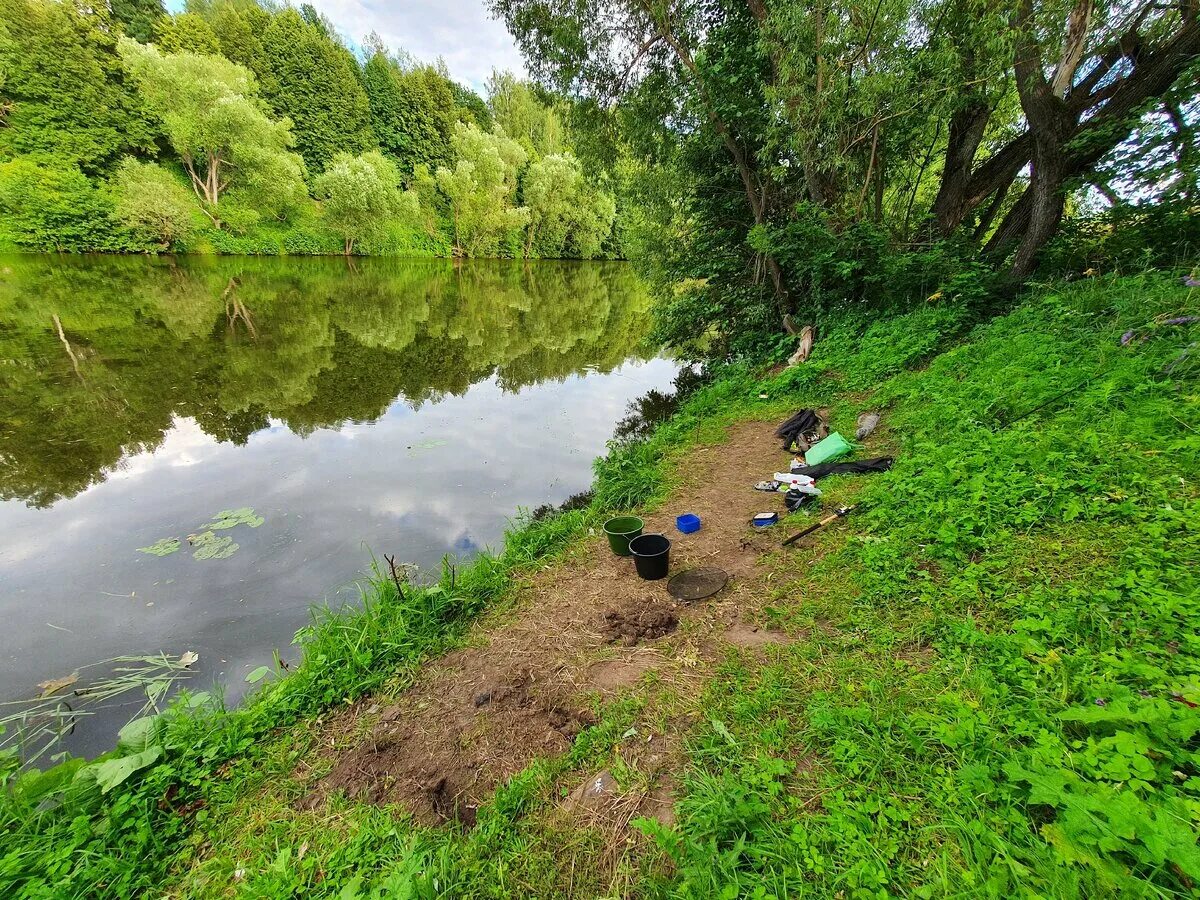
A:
859,467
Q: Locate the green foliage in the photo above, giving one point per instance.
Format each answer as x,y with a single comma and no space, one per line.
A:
162,547
361,196
187,33
231,518
567,217
54,207
1126,239
65,95
231,88
1042,549
481,188
796,159
152,204
216,124
138,18
525,116
314,82
210,545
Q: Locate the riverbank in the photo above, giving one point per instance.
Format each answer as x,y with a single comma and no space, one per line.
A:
963,687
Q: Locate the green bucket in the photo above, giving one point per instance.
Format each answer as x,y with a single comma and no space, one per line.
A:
620,531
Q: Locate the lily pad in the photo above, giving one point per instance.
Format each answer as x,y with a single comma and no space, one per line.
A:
257,675
231,518
208,545
163,547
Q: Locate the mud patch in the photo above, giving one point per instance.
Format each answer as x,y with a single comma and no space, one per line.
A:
611,675
639,622
659,804
443,766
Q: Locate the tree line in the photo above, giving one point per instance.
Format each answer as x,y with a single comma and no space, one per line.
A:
246,128
791,155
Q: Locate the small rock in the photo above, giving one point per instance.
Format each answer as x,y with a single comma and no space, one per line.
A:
592,792
867,423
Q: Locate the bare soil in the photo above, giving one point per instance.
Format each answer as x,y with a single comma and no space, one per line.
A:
584,628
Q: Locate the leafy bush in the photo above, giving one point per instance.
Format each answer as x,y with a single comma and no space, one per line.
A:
1127,239
153,205
52,206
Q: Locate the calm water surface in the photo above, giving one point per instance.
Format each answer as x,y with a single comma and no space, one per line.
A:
384,406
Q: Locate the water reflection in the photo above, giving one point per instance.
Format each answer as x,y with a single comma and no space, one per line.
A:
397,406
102,355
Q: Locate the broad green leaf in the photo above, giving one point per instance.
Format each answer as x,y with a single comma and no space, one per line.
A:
113,772
139,734
258,674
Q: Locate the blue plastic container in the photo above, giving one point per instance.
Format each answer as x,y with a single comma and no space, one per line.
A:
687,523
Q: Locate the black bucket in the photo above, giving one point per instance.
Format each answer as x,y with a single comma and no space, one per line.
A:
651,555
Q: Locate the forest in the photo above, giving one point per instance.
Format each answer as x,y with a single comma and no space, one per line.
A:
234,127
785,160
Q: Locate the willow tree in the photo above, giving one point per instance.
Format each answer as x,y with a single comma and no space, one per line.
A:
480,189
360,197
676,60
214,121
565,212
917,120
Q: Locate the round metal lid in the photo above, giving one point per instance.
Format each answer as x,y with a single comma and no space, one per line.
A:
696,584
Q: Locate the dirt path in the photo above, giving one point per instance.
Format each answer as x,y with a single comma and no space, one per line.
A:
589,626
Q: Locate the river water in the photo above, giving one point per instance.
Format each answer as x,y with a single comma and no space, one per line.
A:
355,407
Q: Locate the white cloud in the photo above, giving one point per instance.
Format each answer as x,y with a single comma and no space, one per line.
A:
462,32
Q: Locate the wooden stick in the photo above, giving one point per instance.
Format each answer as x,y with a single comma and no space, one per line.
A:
821,524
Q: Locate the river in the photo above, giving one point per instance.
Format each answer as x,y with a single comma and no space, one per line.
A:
355,407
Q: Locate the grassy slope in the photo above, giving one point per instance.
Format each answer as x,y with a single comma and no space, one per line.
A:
984,705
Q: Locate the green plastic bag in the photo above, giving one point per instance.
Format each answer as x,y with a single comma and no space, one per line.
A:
833,447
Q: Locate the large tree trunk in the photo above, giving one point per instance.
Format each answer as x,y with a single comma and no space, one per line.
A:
967,126
1073,122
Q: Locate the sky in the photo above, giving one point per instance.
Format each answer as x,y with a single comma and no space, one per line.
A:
462,32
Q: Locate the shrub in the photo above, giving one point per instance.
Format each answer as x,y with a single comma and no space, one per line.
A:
153,205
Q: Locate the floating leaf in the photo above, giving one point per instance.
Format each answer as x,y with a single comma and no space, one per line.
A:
54,685
257,675
231,518
207,545
162,547
428,445
190,658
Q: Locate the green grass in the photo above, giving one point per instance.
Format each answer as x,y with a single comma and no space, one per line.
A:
990,700
993,707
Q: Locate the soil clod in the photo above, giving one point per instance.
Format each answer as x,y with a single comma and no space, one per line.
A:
637,623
